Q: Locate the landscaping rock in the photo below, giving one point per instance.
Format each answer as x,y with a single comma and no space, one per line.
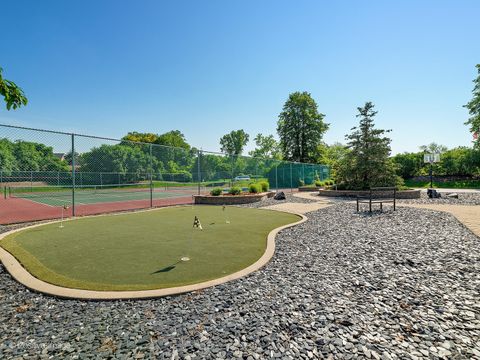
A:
391,285
280,195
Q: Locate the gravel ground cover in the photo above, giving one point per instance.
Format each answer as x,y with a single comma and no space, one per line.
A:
392,285
464,198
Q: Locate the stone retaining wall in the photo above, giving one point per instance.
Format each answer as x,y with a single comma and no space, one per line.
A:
308,188
401,194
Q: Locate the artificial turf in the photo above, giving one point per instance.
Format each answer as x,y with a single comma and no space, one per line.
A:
142,250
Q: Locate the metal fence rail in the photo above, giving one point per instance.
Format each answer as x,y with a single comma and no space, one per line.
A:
37,165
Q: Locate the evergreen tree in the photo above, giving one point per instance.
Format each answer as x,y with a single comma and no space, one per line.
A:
473,107
368,163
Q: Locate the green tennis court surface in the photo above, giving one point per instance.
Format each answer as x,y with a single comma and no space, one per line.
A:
94,194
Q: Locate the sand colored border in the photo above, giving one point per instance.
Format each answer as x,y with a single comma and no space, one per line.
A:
19,273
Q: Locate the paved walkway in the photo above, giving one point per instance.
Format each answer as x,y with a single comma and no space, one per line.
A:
302,208
297,208
451,190
468,215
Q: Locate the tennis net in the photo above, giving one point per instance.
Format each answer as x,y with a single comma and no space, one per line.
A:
66,191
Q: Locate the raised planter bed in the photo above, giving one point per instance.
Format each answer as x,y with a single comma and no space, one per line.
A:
401,194
308,188
232,199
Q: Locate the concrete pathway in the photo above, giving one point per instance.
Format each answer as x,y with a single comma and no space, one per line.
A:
452,190
468,215
298,208
319,202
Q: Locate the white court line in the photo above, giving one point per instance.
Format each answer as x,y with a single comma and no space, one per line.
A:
36,202
54,199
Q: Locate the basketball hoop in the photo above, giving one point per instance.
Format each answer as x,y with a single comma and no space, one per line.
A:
430,158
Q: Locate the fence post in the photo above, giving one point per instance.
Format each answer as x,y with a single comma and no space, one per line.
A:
73,174
233,170
276,176
151,179
199,173
291,179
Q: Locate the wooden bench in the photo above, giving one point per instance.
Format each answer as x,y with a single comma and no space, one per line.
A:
378,195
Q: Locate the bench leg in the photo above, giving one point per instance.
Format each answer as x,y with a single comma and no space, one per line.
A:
370,205
357,206
394,205
381,206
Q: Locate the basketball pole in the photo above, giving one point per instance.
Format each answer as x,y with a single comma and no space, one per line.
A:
431,174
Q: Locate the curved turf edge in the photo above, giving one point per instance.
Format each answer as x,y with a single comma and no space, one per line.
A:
123,291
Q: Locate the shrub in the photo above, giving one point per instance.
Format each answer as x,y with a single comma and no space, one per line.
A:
320,183
254,188
216,192
301,182
264,185
235,190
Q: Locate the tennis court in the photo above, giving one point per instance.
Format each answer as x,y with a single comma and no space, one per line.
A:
95,194
31,203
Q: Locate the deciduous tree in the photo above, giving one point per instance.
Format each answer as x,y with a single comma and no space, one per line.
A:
12,94
266,147
234,142
300,128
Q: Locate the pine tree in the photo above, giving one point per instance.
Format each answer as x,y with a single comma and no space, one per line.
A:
368,163
473,107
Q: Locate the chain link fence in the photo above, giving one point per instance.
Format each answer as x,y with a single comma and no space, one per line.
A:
42,171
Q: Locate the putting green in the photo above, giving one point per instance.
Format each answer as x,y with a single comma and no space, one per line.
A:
142,250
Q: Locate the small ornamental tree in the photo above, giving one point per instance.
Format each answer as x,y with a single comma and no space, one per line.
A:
368,163
473,107
12,94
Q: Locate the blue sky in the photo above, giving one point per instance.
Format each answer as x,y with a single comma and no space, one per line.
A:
208,67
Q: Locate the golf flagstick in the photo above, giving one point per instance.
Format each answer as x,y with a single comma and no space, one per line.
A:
225,215
196,225
185,257
64,207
